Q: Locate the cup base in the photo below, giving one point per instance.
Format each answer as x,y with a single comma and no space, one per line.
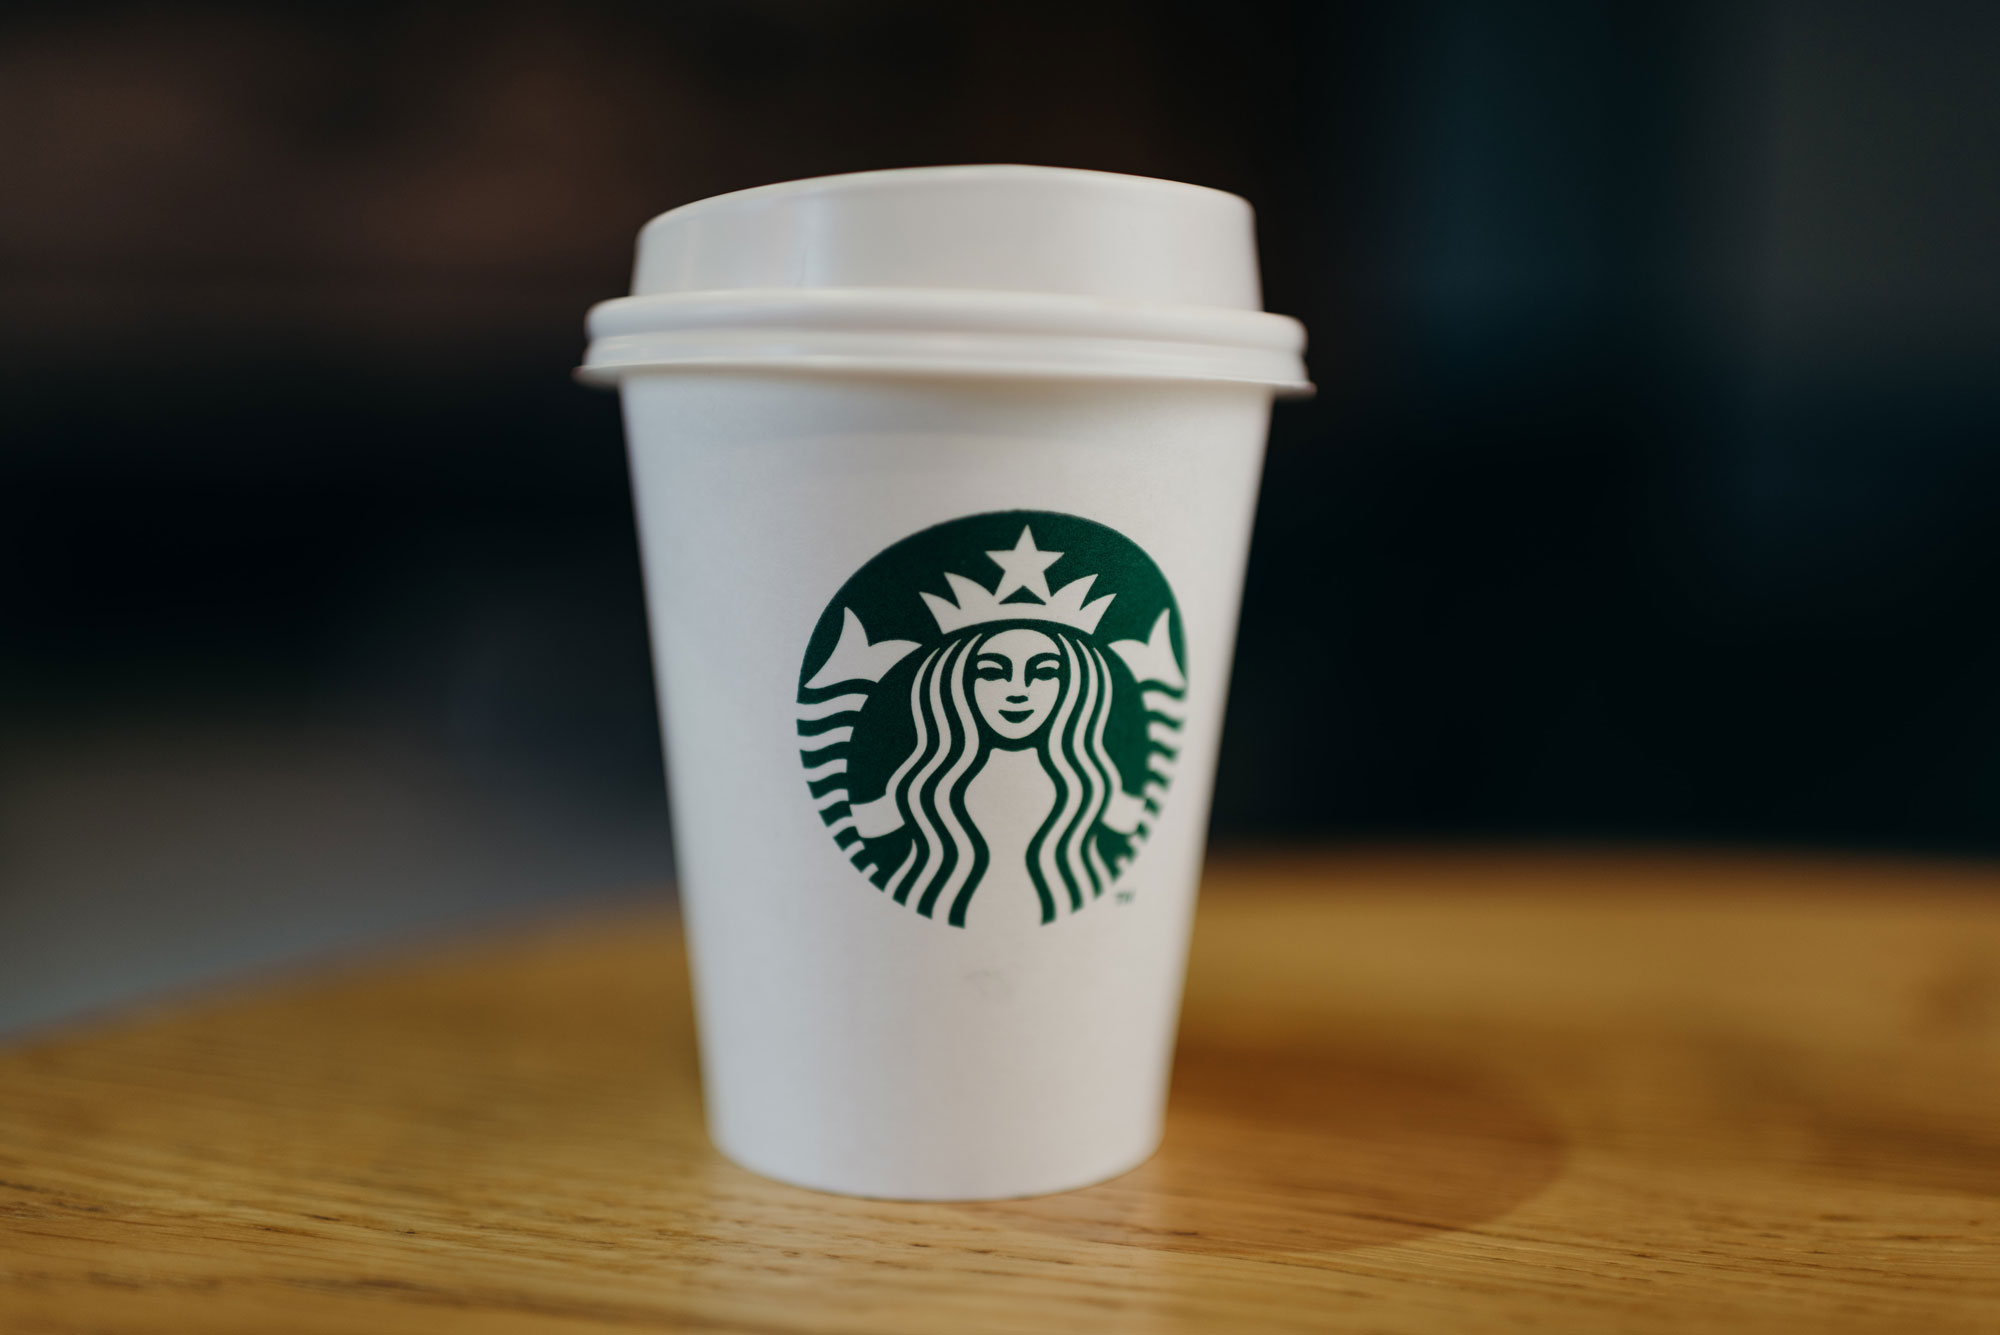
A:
863,1187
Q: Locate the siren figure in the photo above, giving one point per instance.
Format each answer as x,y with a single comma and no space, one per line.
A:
1018,669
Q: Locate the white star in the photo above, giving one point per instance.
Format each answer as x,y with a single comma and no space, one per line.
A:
1025,567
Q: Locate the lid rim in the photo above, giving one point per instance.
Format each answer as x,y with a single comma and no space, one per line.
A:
982,354
613,376
943,312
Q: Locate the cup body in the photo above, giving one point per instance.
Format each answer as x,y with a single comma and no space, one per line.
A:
1009,1039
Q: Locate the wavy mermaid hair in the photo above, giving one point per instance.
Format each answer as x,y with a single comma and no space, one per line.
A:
948,857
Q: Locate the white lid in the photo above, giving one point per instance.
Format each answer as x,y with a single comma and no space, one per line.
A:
991,271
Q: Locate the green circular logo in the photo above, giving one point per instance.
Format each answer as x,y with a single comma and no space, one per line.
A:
990,711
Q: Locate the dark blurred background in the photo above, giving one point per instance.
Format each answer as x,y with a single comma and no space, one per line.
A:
1652,491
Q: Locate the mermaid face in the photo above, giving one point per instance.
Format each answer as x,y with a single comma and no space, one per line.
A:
1016,681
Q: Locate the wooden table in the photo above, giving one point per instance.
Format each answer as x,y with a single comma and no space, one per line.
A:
1417,1093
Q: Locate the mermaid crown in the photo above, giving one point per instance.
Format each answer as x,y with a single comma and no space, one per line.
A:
1024,568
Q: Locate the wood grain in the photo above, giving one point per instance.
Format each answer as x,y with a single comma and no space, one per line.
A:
1417,1093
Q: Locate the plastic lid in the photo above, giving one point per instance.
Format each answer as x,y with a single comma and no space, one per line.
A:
991,271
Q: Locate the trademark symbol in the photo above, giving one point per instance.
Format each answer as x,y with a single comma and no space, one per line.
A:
1124,896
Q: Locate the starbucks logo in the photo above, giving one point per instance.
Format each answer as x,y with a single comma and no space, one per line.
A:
990,711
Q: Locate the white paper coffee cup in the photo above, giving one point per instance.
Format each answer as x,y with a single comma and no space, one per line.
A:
944,481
